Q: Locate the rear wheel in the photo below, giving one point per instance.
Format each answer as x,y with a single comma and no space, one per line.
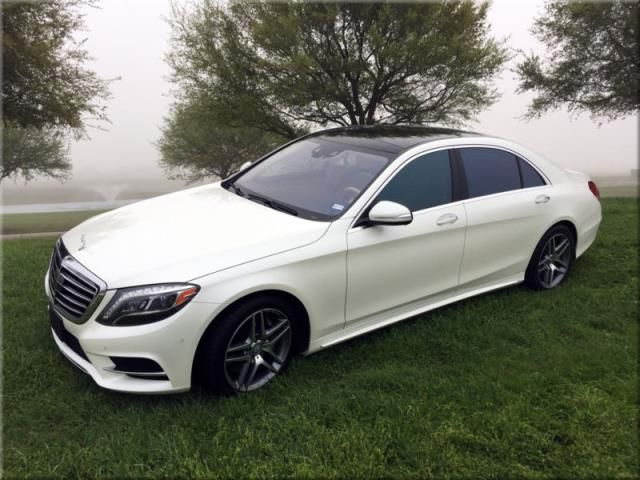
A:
552,259
249,346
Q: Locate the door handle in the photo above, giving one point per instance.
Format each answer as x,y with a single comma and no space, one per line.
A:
447,219
542,198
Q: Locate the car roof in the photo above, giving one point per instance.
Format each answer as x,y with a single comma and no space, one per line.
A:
389,138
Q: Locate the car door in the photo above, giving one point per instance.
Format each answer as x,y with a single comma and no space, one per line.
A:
393,265
508,208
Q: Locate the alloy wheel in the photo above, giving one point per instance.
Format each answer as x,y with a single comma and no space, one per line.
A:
554,261
257,349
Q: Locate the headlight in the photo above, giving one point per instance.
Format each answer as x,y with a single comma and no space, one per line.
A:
140,305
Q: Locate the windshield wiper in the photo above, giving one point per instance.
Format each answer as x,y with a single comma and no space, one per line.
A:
273,204
236,189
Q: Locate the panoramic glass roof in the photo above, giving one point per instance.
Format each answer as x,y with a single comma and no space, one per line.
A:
393,139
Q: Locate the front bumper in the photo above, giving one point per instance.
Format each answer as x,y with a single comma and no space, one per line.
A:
116,381
171,343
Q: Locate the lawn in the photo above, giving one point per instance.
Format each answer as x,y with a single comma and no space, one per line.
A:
512,383
44,222
619,190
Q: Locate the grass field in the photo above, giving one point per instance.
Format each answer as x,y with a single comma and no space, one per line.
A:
628,191
44,222
510,384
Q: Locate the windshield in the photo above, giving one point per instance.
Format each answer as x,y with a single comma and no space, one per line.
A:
316,178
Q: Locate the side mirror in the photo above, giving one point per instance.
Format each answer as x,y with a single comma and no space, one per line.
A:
244,166
390,213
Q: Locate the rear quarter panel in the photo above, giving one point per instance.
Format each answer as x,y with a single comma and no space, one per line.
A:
586,210
574,202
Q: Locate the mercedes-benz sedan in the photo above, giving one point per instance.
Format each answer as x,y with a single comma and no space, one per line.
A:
331,236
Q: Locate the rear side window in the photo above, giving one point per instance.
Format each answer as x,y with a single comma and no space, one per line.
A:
489,171
423,183
530,178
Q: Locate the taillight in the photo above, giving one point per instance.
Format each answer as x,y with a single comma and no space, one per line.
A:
594,189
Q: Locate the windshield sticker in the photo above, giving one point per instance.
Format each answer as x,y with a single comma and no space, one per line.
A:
337,206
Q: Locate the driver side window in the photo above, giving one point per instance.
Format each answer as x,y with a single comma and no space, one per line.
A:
423,183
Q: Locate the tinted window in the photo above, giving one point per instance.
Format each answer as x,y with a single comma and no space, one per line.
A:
530,178
489,171
423,183
318,178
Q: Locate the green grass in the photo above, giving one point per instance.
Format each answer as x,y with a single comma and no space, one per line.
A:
44,222
619,190
509,384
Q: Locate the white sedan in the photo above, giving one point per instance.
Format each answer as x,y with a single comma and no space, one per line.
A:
331,236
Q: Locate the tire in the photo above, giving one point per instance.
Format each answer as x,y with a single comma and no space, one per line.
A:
552,259
248,345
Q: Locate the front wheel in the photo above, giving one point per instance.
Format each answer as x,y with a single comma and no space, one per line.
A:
249,346
552,259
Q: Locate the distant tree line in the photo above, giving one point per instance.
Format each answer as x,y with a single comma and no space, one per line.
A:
251,75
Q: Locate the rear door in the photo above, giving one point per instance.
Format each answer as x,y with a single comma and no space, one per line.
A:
508,208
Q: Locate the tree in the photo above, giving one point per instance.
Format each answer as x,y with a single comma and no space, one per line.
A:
47,92
28,152
196,145
285,67
593,62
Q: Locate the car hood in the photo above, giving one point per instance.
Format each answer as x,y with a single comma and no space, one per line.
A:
184,235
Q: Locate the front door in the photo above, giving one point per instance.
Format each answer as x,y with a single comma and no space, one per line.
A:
390,266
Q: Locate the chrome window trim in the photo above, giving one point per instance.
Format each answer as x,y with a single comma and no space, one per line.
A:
391,175
513,152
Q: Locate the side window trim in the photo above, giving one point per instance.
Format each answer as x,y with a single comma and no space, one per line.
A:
361,217
519,172
545,180
462,175
459,177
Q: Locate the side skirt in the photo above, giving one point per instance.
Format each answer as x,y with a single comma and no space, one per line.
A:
403,312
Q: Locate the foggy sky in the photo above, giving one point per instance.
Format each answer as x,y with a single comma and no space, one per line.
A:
128,39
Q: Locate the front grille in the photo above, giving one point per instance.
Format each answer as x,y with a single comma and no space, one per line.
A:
75,291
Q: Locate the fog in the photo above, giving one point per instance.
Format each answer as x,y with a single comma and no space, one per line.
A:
128,39
600,149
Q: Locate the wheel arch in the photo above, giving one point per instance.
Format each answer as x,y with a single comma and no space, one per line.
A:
302,337
570,225
568,222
